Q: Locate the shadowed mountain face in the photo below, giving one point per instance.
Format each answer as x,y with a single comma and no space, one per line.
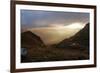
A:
80,39
29,39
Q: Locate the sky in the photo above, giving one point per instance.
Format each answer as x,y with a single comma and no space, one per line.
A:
53,27
37,18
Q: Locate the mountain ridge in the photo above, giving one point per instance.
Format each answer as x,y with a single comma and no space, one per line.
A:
28,39
80,38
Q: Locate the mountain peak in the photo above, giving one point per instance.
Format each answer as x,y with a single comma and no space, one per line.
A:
29,39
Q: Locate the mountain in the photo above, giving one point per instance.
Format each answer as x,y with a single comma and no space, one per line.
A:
74,48
29,39
80,39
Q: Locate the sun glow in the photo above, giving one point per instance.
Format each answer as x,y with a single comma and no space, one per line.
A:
75,26
71,26
56,25
55,33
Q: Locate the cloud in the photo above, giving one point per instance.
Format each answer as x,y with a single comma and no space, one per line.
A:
36,18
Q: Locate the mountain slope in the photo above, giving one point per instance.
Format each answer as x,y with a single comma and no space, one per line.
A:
29,39
79,39
82,37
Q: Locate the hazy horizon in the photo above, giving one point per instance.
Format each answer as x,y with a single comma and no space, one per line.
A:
51,26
